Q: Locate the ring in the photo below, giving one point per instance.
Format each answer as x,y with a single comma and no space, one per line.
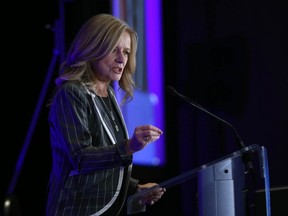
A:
146,138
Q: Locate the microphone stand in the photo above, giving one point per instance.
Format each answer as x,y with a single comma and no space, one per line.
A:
246,156
58,56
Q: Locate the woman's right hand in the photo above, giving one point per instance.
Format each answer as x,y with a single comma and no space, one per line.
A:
142,136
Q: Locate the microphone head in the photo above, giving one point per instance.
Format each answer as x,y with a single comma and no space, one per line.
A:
172,90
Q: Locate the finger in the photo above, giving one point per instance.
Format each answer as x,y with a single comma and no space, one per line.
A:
146,138
150,128
150,138
155,194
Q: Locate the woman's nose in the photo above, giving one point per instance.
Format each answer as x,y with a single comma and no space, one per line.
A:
120,57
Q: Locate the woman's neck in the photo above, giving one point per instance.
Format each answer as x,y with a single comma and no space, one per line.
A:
101,89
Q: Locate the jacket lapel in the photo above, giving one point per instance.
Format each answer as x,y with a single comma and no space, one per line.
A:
103,116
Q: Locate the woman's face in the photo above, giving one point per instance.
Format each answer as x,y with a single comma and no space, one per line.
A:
111,67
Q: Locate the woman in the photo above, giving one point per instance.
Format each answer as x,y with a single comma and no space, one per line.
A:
91,150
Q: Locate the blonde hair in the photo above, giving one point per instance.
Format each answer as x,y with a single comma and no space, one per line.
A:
95,40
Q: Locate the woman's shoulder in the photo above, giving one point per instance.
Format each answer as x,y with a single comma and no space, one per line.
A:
72,84
71,88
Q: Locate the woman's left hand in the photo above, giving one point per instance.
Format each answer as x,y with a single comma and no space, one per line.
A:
151,196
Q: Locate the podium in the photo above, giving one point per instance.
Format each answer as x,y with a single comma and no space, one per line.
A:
222,187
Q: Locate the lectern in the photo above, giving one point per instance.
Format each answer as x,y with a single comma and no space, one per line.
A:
221,184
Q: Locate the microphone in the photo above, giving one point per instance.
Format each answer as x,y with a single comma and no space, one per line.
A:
173,91
246,156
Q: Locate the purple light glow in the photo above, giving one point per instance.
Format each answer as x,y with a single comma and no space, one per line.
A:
153,29
151,102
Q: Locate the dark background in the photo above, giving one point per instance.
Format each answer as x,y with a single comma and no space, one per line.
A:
229,56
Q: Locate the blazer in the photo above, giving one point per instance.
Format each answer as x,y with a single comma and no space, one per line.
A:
91,171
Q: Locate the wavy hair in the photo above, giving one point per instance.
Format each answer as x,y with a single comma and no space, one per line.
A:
95,40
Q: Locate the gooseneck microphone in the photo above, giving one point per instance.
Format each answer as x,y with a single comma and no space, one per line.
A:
246,156
173,91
